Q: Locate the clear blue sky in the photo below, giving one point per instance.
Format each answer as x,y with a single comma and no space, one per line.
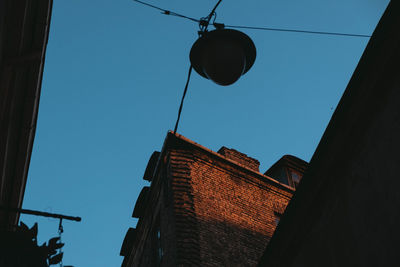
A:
114,76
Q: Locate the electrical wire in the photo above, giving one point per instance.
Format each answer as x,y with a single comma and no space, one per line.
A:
208,18
183,98
212,12
167,12
206,21
215,8
298,31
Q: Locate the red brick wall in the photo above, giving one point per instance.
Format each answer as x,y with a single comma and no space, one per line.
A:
212,209
225,214
181,192
240,158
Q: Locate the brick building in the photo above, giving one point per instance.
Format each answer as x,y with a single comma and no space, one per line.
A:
207,208
215,209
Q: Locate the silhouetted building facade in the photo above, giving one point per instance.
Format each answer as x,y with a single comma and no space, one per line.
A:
207,208
352,183
24,30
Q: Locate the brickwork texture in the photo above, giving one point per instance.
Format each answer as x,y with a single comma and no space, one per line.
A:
213,209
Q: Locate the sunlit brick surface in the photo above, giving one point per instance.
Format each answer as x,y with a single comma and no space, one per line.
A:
205,208
225,214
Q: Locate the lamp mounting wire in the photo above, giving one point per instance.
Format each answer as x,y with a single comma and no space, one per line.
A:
202,29
206,20
167,12
183,98
297,31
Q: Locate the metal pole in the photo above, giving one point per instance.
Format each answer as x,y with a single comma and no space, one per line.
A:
41,213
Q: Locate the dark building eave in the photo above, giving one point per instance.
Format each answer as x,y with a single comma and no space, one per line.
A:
24,30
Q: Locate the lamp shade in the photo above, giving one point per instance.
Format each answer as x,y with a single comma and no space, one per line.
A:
223,55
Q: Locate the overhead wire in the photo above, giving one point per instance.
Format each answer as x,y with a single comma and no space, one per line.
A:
212,13
166,11
191,68
183,98
298,31
206,21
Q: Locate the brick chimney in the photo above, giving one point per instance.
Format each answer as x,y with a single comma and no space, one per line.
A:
240,158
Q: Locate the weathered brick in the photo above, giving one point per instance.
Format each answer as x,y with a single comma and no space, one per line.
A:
214,209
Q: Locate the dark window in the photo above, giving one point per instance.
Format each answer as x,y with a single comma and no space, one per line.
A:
280,175
295,177
159,247
277,217
158,251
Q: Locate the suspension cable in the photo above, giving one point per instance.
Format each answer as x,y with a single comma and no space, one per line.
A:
167,12
297,31
183,98
204,23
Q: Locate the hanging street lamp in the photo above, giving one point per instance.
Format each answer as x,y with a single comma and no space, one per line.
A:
223,55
